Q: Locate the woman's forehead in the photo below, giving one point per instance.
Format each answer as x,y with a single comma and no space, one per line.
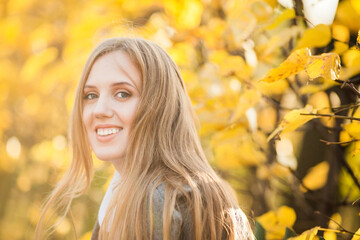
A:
116,65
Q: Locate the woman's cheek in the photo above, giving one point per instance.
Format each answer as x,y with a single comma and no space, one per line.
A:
86,115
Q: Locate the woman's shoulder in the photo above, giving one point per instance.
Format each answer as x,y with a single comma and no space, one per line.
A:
181,219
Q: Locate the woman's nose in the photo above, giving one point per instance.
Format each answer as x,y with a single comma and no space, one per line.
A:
103,108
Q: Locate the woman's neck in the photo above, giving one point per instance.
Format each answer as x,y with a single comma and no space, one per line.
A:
108,195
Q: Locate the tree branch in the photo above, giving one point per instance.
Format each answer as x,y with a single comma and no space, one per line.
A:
330,115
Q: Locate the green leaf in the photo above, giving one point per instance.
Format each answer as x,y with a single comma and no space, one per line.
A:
289,233
259,231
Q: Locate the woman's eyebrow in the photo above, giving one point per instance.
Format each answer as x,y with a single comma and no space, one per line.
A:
122,83
89,86
113,85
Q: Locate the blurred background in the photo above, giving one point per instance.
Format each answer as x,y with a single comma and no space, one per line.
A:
305,173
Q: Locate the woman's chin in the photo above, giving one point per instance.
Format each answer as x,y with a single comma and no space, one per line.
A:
109,158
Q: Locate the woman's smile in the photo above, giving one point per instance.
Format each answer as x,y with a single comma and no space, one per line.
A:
107,133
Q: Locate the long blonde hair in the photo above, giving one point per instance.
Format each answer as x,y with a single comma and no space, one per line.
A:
164,147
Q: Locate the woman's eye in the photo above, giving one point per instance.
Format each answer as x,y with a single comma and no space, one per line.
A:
123,95
90,96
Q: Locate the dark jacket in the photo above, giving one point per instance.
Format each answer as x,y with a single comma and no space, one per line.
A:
181,225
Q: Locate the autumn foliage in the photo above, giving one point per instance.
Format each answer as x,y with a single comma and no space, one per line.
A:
276,95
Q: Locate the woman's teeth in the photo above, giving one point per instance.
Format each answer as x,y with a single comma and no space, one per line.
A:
107,131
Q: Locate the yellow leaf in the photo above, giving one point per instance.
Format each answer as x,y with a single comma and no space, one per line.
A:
347,15
262,172
262,10
267,119
275,222
23,182
35,64
228,64
183,54
330,235
18,6
307,235
340,32
314,88
285,15
317,176
10,31
344,137
293,64
353,129
279,170
247,100
337,218
292,120
64,226
212,33
267,220
234,149
276,42
32,105
272,2
356,235
340,47
352,156
351,58
6,119
318,36
232,154
86,236
356,5
286,216
212,120
357,113
186,14
320,101
272,88
239,29
190,79
233,8
326,65
42,36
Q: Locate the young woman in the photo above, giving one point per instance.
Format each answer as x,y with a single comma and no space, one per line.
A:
132,109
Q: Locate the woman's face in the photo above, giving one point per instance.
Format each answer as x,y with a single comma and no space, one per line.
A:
111,95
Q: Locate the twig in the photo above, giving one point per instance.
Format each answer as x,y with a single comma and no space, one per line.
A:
349,85
294,86
353,88
332,143
298,7
330,115
276,103
345,107
341,230
353,203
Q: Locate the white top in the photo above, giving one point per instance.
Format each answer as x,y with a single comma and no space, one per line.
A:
106,200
